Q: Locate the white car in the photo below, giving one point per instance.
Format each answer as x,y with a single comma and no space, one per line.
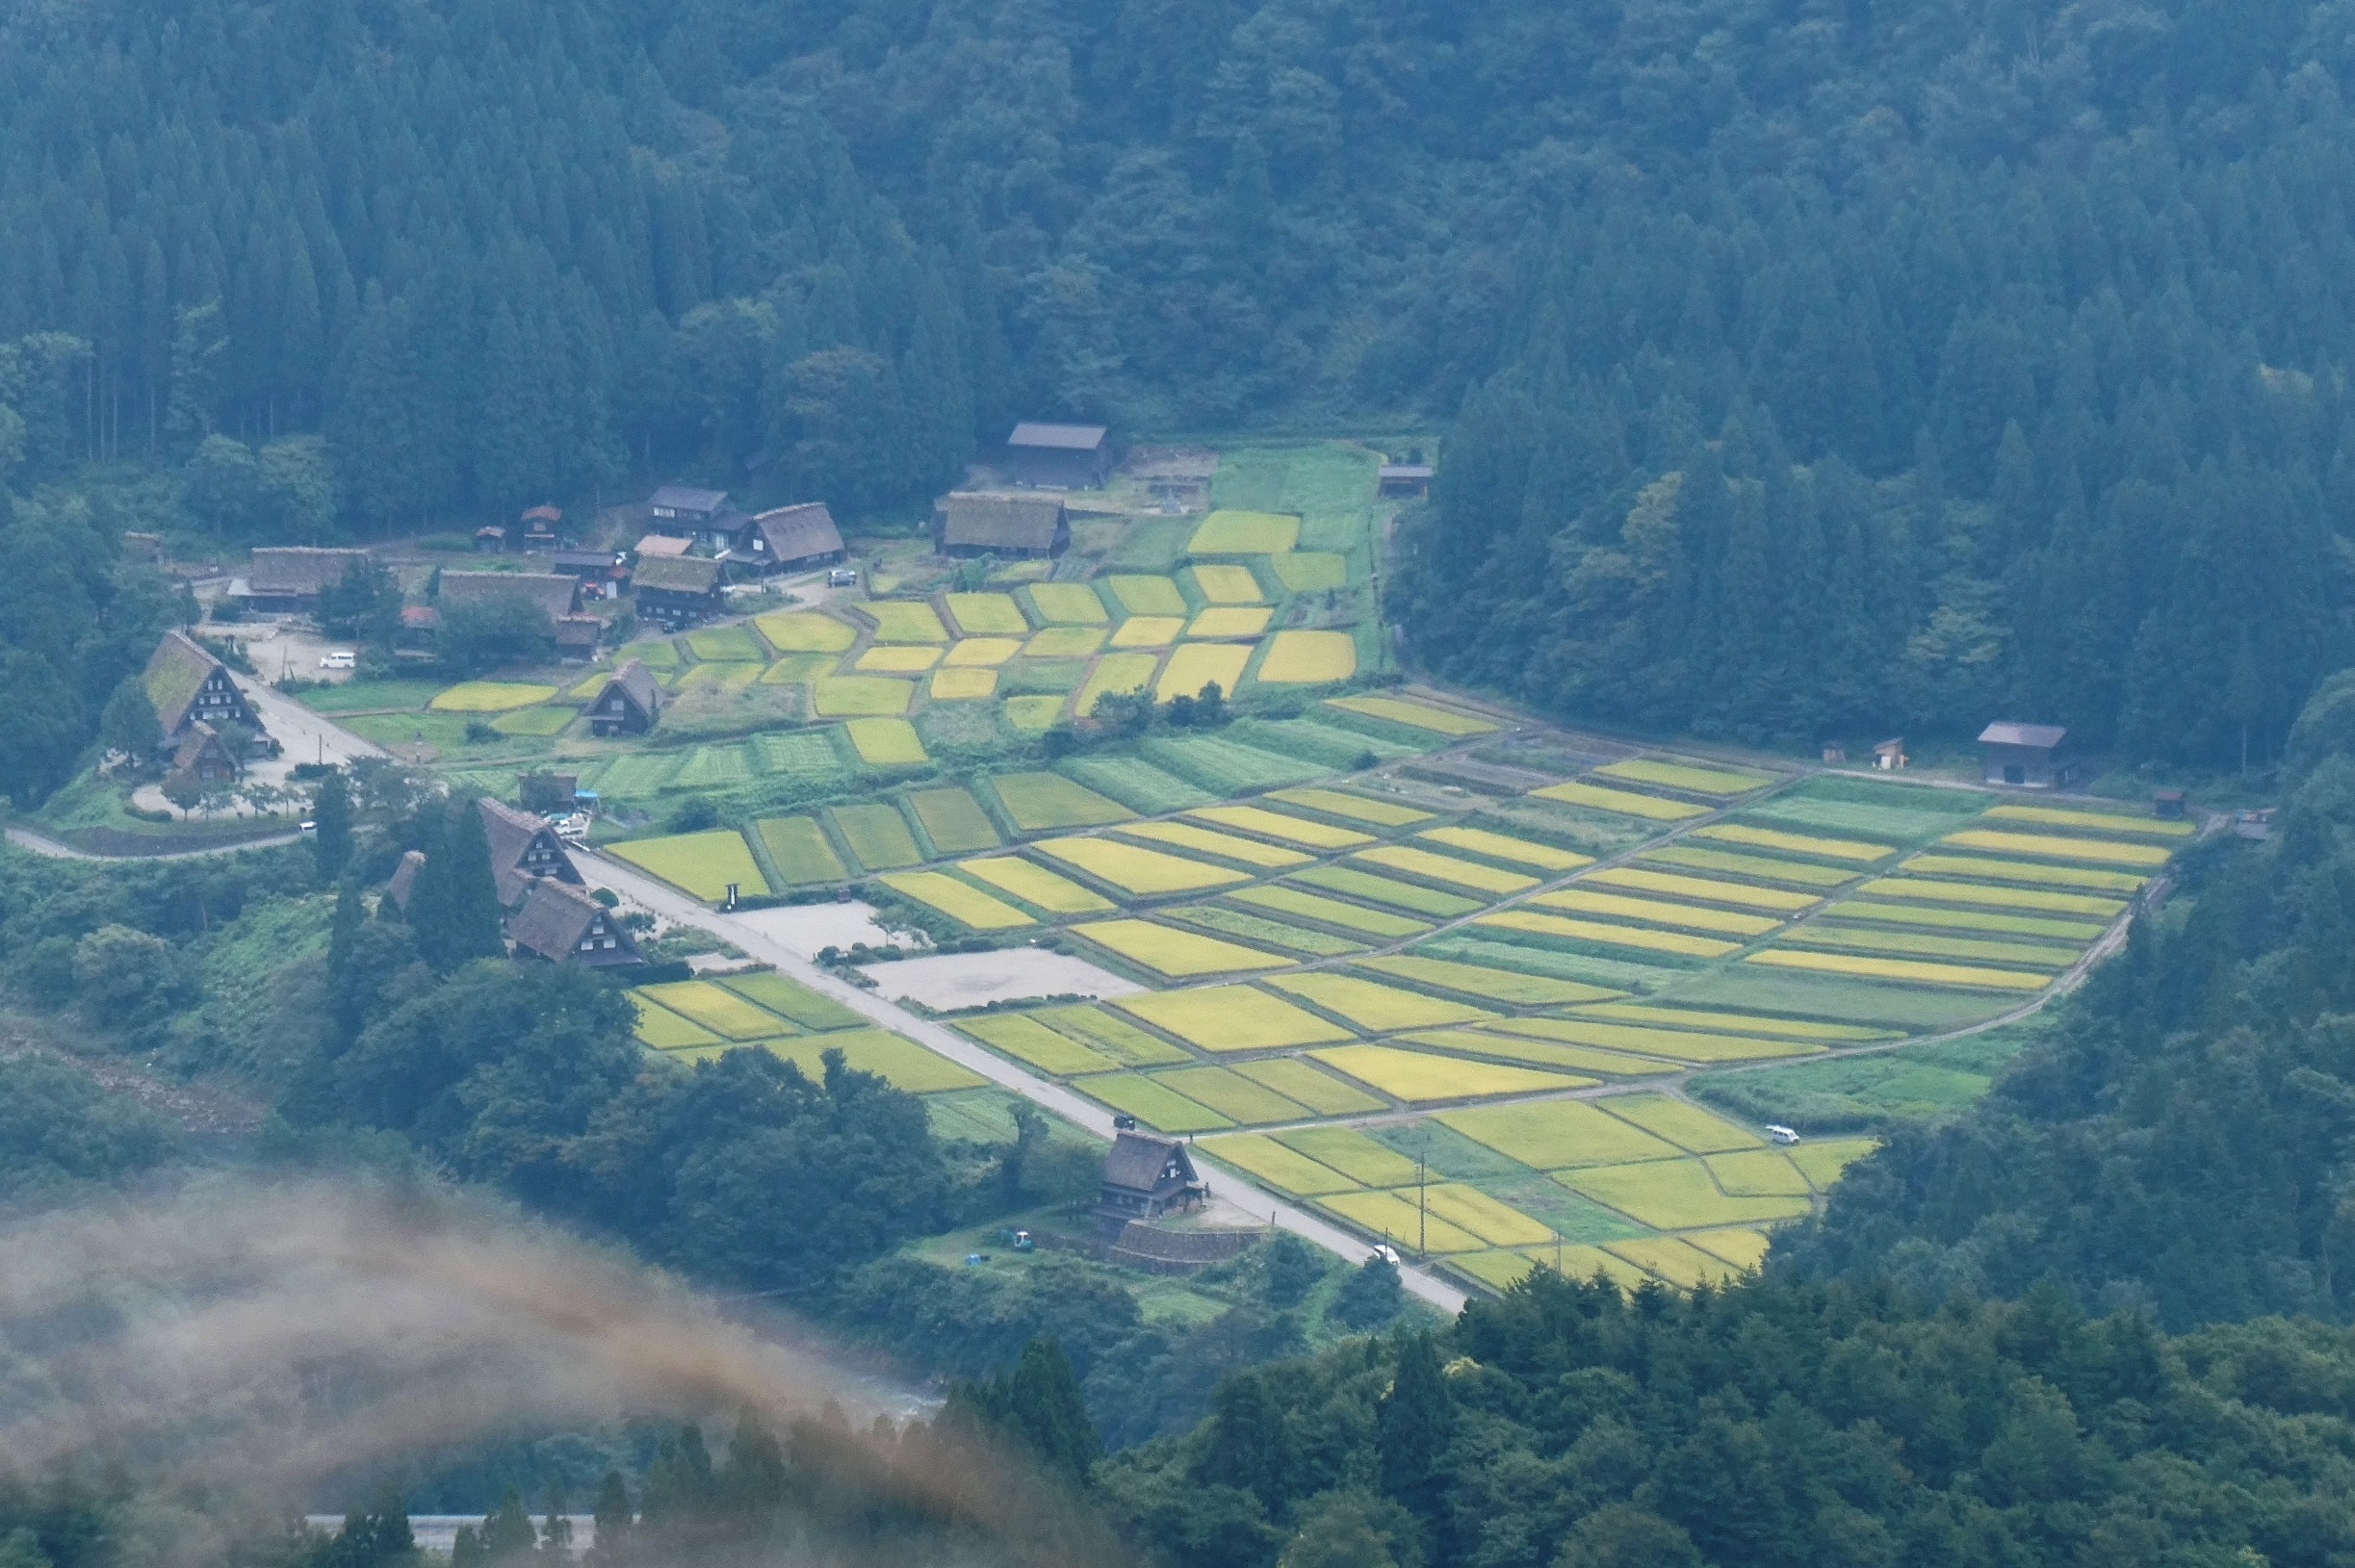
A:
339,658
1782,1135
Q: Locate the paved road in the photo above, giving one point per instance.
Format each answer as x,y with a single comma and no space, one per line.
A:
26,839
307,736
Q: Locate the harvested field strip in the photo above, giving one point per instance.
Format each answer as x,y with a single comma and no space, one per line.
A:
1495,985
1310,1085
800,851
1180,954
1116,674
1227,584
961,901
1822,1162
953,820
1162,1109
1795,844
1259,929
2031,873
1696,858
1150,631
2056,847
982,653
721,1011
1655,912
1036,885
877,834
1331,912
1397,1217
1309,658
1291,830
900,1062
1689,776
1934,945
794,1000
1114,1035
1945,919
1288,1171
1416,715
1026,1039
1446,868
1555,1135
1199,664
804,632
963,685
1497,846
1675,1195
1500,1224
1375,1008
1231,621
1147,594
1068,603
1137,870
887,744
1353,1154
1065,642
1732,1023
2050,816
1881,968
1227,532
1356,807
1231,1095
1675,1260
1686,1125
1597,931
1038,802
854,696
903,621
898,658
1676,1044
977,614
1625,802
1226,846
1708,889
662,1029
1760,1172
1537,1053
702,864
1403,895
2090,905
1421,1078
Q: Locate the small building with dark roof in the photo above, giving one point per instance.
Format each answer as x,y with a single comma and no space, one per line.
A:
201,754
1403,480
579,637
552,592
1146,1176
657,546
290,578
548,791
187,686
564,925
1062,456
2027,755
703,516
404,881
491,539
789,538
539,524
523,847
594,568
1000,522
630,704
677,590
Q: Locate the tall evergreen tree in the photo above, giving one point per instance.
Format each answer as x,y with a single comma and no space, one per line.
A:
1414,1424
454,909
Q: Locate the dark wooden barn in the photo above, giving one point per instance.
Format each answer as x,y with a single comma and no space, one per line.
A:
1059,456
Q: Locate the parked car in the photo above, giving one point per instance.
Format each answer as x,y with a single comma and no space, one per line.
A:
338,659
1782,1135
841,576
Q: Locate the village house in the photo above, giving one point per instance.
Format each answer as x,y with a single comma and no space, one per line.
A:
1403,482
703,517
404,881
579,637
187,686
602,574
2027,755
1148,1176
552,592
523,848
630,704
789,539
204,756
564,925
1000,522
662,546
539,527
677,591
289,579
1059,456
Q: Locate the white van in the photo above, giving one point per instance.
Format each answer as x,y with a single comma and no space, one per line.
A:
841,576
339,658
1782,1135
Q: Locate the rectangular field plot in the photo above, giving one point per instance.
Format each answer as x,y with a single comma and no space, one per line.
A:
887,744
980,614
1310,571
798,669
1746,1249
539,722
1374,890
1226,846
1444,869
1147,632
1421,1078
877,834
1657,912
1137,870
702,864
2095,822
1894,823
1026,1039
1676,1261
1180,954
1065,642
1494,984
1620,972
1341,803
491,697
855,696
1284,1169
1676,1044
1228,582
2033,873
1933,945
900,1062
1377,1008
1197,665
1497,846
1389,1215
962,685
1231,1095
1675,1195
953,820
1691,776
1625,802
800,851
1731,1023
1037,886
1038,802
1499,1224
1761,989
1228,767
2053,846
1244,533
1688,1126
1556,1135
1706,889
804,632
721,1011
961,901
1442,721
1257,928
1919,971
1537,1053
1353,1154
894,658
1113,1035
1304,658
1754,867
1117,675
798,754
794,1000
1068,603
1934,917
1147,594
1231,621
1232,1018
1600,932
1822,1162
1290,830
1312,1087
904,621
1135,784
1762,1173
2091,906
668,1031
981,653
1795,844
1160,1108
1331,912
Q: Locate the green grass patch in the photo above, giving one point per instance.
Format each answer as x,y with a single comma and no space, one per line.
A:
1332,912
860,696
1897,823
1135,784
1750,989
1113,1035
1310,571
1033,714
1689,776
799,850
785,996
701,864
1871,1094
877,834
1028,1041
542,722
1493,985
367,696
1936,917
1157,1106
1041,802
1230,533
1147,594
1693,857
953,820
727,643
1258,928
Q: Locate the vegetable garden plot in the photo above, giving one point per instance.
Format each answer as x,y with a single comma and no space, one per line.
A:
964,686
855,696
2091,906
1309,658
800,851
701,864
1421,1078
900,1062
1676,1044
1038,802
1231,1019
1397,1217
714,767
1496,984
804,632
1117,675
1310,571
1232,1095
2059,847
791,999
1140,595
1178,955
1197,665
1415,715
2094,822
904,621
1497,846
1691,776
1657,912
898,658
953,820
805,754
717,1009
887,744
491,697
1556,1135
2033,873
1157,1106
1731,1023
1227,766
1287,1170
1147,632
1375,1008
1445,868
1991,922
1341,879
1224,845
979,614
1688,1126
1918,971
877,834
1137,870
664,1030
1707,889
1795,844
1332,912
1625,802
1356,807
1675,1195
1353,1154
1537,1053
961,901
1757,867
1295,1079
1037,886
1067,604
1290,830
1934,945
1644,937
1258,928
1227,582
1231,621
1244,533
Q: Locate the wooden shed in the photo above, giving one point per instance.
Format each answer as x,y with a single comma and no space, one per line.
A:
2027,755
1059,456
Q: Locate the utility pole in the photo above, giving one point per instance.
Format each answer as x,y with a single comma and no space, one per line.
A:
1422,1208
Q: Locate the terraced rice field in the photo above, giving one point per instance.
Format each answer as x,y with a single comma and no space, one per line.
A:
1148,631
491,697
1039,802
800,851
1657,912
1706,889
1445,868
1244,533
1175,954
1934,945
963,685
1689,776
1421,1078
1278,824
1990,922
1037,886
980,653
1625,802
1141,595
2091,906
1032,1042
664,1030
1310,571
1068,603
2092,822
1917,970
904,621
1117,675
1557,1135
1539,924
1750,867
1332,912
1497,846
1286,1170
1402,895
700,863
804,632
1341,803
1495,985
1223,845
953,820
1221,1019
1033,713
898,658
1309,658
1137,870
981,614
1065,642
1227,584
2033,873
1232,1095
1675,1195
1197,665
2059,847
1675,1044
1298,1079
1398,1217
1113,1035
1261,932
1415,715
900,1062
1353,1154
1795,844
1373,1006
858,696
717,1009
887,744
959,901
1229,621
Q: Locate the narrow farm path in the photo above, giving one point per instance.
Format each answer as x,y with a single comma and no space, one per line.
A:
25,839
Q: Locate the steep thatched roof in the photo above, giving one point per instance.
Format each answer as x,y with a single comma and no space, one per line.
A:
551,591
1000,519
678,575
797,533
176,670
